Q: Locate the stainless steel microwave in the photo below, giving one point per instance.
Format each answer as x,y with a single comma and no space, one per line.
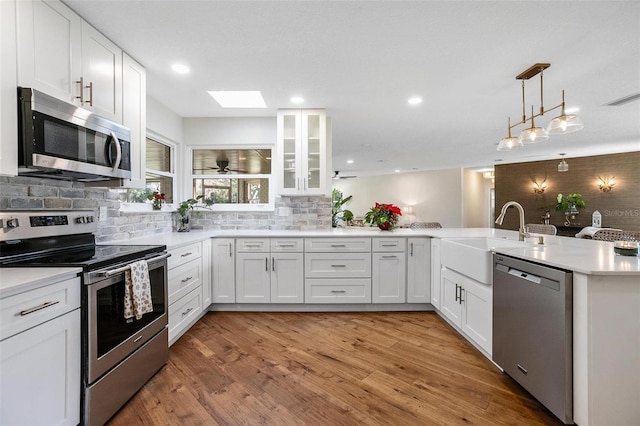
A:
58,140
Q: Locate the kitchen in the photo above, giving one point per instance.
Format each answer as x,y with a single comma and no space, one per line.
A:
233,128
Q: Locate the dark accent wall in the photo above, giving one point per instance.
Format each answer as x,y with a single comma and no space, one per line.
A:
620,208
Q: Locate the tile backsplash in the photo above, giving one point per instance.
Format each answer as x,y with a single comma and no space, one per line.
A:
26,193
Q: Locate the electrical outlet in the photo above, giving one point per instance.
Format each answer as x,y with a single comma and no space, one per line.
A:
103,213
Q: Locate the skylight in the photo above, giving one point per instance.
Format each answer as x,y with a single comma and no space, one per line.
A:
239,98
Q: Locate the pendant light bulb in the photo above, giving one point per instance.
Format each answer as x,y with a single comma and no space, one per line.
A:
510,142
564,123
533,134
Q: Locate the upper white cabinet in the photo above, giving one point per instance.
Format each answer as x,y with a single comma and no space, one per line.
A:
134,116
63,56
303,148
8,93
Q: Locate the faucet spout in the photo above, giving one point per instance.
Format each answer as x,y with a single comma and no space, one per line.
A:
522,233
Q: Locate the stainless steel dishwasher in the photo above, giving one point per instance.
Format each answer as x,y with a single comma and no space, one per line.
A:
533,329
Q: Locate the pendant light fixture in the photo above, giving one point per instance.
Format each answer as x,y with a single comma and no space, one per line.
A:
563,166
559,125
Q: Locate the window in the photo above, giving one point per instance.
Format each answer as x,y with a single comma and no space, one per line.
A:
237,179
160,174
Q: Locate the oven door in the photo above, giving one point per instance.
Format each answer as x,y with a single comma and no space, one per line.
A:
111,337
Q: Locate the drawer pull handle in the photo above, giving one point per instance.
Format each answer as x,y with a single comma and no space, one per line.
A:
389,257
338,291
186,279
186,254
187,311
286,245
137,339
37,308
338,245
253,245
338,266
389,245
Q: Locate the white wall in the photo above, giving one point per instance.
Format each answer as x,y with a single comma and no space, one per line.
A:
435,196
230,131
163,121
476,198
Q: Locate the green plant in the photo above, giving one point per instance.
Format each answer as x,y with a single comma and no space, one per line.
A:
563,203
157,198
191,203
383,215
337,201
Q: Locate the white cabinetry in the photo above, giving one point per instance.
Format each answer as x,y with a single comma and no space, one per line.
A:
436,292
8,92
419,270
269,270
65,57
302,149
223,278
337,270
134,116
185,289
40,356
388,283
468,305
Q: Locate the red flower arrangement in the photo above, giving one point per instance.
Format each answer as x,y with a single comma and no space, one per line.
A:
157,199
384,216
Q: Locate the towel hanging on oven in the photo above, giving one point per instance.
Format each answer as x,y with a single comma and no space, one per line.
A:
137,290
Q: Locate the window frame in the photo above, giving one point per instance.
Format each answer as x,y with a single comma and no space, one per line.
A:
229,207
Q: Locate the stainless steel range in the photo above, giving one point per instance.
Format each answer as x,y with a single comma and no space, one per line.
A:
119,354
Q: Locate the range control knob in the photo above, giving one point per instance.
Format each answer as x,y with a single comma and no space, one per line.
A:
89,219
80,219
13,223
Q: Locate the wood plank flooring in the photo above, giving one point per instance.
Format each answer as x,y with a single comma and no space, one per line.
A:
396,368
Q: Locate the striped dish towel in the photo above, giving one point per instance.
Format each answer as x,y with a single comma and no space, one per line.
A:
137,290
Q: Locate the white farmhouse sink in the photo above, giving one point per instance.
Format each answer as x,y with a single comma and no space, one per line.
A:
472,256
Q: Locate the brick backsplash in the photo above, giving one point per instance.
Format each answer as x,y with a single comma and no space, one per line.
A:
305,213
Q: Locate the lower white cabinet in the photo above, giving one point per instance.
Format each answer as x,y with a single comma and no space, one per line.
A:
388,274
187,287
269,270
223,272
40,356
468,305
419,270
436,292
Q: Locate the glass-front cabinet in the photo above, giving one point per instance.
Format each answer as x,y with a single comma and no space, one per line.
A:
302,152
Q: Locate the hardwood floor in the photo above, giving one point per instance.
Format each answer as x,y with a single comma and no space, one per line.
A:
241,368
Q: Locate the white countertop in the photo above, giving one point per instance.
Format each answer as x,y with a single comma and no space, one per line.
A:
17,280
574,254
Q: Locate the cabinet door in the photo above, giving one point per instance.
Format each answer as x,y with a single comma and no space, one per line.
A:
253,279
223,271
49,45
8,85
477,321
102,73
134,116
287,278
288,144
388,278
419,271
451,289
436,291
206,274
41,374
313,152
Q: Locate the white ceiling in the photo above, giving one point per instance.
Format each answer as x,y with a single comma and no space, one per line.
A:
362,60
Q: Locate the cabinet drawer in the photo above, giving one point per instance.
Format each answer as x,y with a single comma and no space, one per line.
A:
28,309
183,279
388,244
287,245
353,290
184,312
244,245
182,255
333,245
330,265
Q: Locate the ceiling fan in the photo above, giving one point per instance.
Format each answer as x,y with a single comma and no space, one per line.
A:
223,167
337,176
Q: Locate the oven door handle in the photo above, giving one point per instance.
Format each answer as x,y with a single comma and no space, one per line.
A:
115,271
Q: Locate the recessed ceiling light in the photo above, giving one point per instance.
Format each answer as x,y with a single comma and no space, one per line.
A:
415,100
180,68
297,100
349,161
239,98
572,110
397,171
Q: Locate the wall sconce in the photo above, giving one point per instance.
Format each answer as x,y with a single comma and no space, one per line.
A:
539,188
606,184
490,175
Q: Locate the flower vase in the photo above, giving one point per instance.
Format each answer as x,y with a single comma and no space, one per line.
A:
386,226
183,222
157,206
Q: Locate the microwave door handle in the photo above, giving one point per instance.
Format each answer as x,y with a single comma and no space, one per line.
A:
115,140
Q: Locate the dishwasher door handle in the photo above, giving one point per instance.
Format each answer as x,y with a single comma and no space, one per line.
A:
525,276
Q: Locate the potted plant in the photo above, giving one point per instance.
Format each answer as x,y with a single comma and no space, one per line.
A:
337,213
570,204
157,198
184,211
384,216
